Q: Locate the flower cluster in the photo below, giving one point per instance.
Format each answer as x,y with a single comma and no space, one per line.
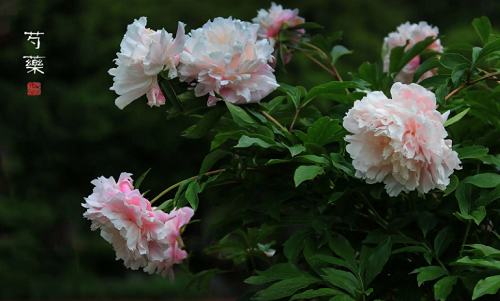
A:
400,141
225,56
411,33
141,236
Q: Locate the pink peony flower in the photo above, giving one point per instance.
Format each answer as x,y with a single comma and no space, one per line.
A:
414,33
127,221
143,55
174,223
224,56
400,141
271,22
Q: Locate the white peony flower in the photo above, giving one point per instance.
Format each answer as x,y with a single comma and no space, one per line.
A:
413,33
400,141
145,53
224,56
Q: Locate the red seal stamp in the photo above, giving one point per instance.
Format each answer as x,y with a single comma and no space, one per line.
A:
34,88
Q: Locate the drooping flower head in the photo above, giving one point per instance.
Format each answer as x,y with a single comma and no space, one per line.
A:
127,221
144,53
413,33
224,56
174,223
275,19
400,141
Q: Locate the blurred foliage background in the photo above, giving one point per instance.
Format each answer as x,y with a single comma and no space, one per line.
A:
53,145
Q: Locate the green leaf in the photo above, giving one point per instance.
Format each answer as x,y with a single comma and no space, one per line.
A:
306,172
341,298
479,214
296,149
278,271
323,130
416,249
168,91
328,88
246,141
345,280
452,186
472,152
484,180
192,194
274,104
239,115
333,260
339,51
206,123
483,28
487,286
138,183
293,246
211,159
491,196
426,66
487,50
305,25
302,159
293,94
443,287
443,240
429,273
485,263
342,248
335,196
456,117
284,288
377,260
427,222
485,250
450,60
402,58
310,294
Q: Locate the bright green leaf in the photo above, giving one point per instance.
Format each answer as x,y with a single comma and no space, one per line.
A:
456,117
306,172
339,51
483,28
429,273
443,287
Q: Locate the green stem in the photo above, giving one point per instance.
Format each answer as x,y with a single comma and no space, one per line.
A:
465,237
294,119
274,121
336,73
180,183
319,63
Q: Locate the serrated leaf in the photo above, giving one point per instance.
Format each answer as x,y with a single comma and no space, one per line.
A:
456,118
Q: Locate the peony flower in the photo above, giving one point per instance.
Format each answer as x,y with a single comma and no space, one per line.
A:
174,223
400,141
127,221
413,33
271,22
145,53
224,56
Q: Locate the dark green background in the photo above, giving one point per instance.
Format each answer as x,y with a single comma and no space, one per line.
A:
53,145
